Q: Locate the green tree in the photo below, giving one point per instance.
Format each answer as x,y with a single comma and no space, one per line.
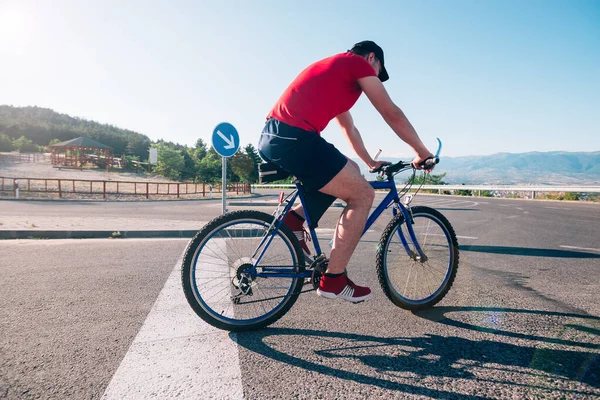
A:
199,151
5,143
24,145
170,162
430,179
253,153
257,160
209,169
243,166
571,196
463,192
138,146
189,166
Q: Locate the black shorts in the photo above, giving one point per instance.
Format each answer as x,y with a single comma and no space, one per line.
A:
305,155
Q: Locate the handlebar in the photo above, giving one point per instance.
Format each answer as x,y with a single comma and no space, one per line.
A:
429,163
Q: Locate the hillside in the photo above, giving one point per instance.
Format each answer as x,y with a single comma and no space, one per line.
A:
41,125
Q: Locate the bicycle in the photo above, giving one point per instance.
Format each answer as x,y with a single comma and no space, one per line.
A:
244,270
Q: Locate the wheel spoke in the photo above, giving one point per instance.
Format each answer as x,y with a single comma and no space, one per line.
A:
411,282
227,250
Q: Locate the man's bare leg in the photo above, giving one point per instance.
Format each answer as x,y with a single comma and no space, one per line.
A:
350,186
298,208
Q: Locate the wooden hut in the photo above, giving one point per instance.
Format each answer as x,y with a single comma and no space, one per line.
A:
76,152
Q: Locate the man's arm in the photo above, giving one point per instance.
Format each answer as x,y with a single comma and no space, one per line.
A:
394,116
353,135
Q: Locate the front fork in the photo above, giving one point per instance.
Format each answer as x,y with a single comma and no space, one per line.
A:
417,254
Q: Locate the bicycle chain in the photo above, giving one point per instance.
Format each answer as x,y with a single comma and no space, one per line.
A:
318,265
269,298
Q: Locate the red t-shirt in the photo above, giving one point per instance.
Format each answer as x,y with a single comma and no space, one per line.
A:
322,91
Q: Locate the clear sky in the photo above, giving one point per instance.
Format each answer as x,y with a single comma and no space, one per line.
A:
485,76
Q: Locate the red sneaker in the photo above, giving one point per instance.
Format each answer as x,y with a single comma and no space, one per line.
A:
297,226
342,288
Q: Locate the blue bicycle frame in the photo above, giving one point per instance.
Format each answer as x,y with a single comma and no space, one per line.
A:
390,199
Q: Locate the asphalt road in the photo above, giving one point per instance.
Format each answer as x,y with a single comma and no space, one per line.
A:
521,321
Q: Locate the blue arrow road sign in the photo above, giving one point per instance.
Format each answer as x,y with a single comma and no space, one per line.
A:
225,139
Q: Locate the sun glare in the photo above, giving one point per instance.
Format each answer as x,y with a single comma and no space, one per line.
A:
14,23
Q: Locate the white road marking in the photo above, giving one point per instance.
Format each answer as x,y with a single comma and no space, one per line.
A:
331,230
176,354
459,237
512,216
68,242
580,248
448,203
557,208
478,221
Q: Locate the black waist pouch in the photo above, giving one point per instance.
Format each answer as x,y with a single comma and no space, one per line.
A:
271,172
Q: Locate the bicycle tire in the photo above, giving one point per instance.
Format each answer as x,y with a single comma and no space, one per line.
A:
419,213
189,270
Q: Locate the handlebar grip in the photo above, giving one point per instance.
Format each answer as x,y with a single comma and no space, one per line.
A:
380,168
430,162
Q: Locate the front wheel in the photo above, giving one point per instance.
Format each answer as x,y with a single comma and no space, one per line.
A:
220,281
410,281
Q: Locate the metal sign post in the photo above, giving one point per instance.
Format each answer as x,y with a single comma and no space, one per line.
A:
226,142
224,173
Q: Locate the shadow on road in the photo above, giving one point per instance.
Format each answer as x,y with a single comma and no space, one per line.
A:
485,362
527,251
440,315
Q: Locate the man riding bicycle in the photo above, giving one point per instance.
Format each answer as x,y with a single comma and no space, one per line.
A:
291,138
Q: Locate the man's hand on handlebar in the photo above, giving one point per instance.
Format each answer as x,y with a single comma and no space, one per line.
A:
376,165
427,163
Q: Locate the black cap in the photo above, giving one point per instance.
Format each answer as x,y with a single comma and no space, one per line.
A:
372,47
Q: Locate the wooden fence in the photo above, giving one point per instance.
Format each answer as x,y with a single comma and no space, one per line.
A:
97,188
6,158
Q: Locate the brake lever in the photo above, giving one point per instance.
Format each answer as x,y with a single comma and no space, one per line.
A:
380,168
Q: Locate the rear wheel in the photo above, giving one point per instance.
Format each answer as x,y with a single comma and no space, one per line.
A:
217,271
409,281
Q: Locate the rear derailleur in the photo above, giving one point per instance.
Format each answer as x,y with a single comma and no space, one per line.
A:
243,282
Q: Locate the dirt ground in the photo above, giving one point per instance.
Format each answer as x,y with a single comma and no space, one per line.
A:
44,170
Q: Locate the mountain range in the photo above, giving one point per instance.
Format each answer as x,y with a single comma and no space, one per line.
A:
535,168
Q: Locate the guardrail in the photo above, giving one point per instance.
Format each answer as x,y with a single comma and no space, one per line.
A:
69,187
479,188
